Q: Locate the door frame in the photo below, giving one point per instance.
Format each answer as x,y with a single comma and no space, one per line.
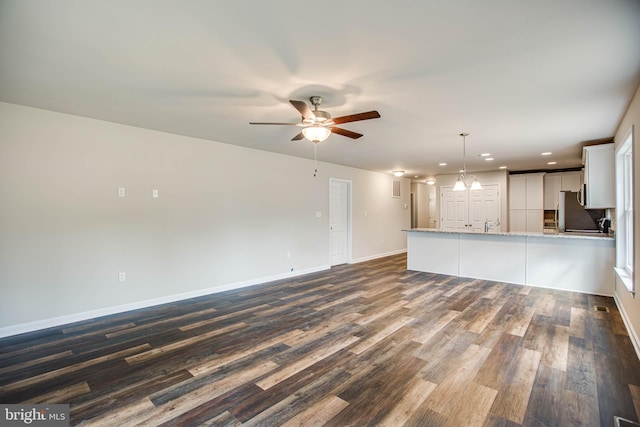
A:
349,220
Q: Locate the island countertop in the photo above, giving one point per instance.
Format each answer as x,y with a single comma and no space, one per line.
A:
581,262
566,235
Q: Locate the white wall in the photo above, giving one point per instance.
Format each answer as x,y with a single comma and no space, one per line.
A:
226,217
630,305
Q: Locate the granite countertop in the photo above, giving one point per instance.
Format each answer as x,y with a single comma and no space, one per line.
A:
553,235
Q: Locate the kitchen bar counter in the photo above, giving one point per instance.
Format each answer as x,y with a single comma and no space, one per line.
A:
567,261
567,235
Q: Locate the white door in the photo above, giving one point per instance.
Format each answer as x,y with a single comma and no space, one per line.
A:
339,220
454,209
484,205
468,210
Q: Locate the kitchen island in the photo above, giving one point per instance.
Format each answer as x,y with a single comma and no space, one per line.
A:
565,261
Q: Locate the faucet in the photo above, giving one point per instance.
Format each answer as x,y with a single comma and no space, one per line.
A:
488,225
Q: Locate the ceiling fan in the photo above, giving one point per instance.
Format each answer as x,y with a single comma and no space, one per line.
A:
317,125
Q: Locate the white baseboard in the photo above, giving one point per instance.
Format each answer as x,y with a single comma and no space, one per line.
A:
106,311
372,257
627,323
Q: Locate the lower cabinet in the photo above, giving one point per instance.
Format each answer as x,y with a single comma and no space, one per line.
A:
527,220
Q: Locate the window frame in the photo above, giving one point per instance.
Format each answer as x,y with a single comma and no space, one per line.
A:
625,212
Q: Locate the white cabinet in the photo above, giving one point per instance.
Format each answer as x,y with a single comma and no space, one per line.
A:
518,220
526,202
556,182
535,220
517,192
599,176
535,191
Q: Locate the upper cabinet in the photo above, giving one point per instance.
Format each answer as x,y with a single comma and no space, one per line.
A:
599,176
525,202
526,191
556,182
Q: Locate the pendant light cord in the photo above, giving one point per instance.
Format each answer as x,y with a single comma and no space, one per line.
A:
464,154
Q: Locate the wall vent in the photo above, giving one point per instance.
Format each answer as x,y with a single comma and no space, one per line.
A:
601,308
395,189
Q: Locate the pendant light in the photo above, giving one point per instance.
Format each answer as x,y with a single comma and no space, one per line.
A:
461,183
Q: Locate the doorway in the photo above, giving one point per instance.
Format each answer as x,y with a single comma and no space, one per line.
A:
468,210
340,221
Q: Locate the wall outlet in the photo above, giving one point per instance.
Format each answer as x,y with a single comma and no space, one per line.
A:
121,192
154,194
122,276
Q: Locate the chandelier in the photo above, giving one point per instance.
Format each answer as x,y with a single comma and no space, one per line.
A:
461,183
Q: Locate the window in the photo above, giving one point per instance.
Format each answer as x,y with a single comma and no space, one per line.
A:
624,212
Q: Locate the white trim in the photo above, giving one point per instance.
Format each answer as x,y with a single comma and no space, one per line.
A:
622,233
627,323
106,311
372,257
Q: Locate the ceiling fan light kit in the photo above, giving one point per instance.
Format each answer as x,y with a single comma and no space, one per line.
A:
316,133
461,183
317,125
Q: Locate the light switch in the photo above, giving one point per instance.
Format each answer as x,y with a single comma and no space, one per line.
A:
318,214
155,194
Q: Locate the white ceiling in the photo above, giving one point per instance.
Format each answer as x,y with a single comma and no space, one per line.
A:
522,77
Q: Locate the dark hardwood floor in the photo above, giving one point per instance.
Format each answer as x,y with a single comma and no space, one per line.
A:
359,345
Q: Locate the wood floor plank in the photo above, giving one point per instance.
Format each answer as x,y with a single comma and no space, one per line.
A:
310,359
216,363
447,393
426,331
417,391
579,410
546,404
62,395
581,371
69,369
513,396
392,327
366,344
155,352
471,406
318,414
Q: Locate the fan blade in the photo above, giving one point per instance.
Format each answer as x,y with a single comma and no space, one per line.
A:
345,132
357,117
303,109
283,124
298,137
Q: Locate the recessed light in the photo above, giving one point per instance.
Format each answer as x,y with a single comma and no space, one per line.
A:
416,176
546,153
442,164
552,163
488,159
503,167
485,154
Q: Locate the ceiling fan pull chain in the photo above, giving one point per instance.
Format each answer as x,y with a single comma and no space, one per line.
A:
315,159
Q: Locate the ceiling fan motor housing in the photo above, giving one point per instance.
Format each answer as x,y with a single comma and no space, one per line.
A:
321,116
